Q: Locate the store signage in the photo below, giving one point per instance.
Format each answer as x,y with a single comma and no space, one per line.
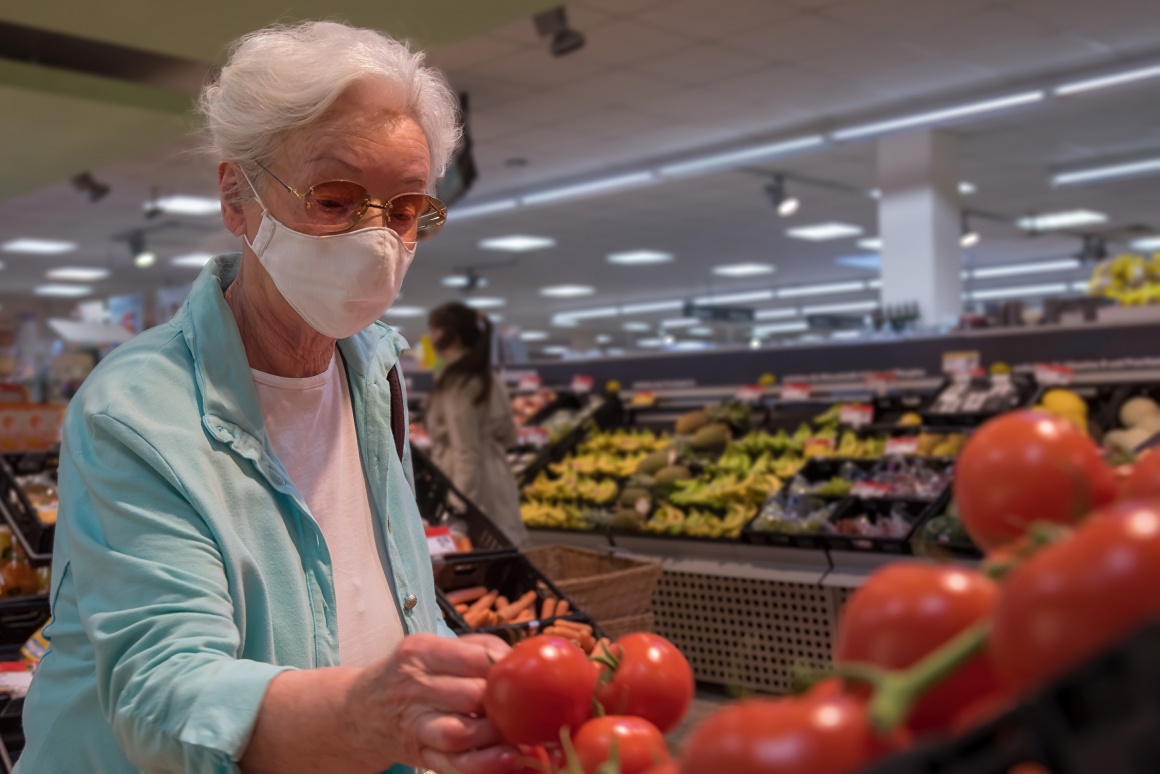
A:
962,363
439,541
733,314
581,385
750,393
530,382
901,445
856,414
1049,375
644,399
795,391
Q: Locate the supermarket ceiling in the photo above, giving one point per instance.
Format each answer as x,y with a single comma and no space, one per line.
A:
658,82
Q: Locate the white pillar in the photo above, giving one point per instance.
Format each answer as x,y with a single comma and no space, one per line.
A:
919,223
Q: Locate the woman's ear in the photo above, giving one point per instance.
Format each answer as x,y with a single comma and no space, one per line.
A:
233,215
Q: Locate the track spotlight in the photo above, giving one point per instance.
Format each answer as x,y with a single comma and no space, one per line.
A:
968,237
785,205
87,184
554,24
1094,248
143,257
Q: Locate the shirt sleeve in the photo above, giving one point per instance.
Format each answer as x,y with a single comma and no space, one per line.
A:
155,603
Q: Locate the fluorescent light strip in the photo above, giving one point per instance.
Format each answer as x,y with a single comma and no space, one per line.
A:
841,335
517,243
650,343
485,302
653,306
192,261
405,311
1024,290
739,157
775,314
1024,268
870,243
1148,243
555,350
567,291
1093,174
638,257
1115,79
534,336
822,231
62,291
637,327
77,274
32,246
938,116
180,204
735,298
461,212
821,290
860,306
1066,219
791,327
1080,287
681,322
590,314
743,269
605,185
874,284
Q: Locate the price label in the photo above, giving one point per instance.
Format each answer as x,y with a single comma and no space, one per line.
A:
1001,381
869,489
581,385
818,446
750,393
530,382
644,399
420,438
960,363
881,382
439,541
856,414
534,436
907,444
795,391
1047,374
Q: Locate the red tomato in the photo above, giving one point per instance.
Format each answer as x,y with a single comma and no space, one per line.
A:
544,684
1079,596
980,712
640,746
533,760
785,736
1025,467
652,680
1143,482
672,767
907,610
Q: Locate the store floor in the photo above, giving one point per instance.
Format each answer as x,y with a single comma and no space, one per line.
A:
708,700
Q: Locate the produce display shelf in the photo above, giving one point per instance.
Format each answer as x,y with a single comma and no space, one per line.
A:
18,512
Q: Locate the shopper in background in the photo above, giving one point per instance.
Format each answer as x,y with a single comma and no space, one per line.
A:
240,577
469,417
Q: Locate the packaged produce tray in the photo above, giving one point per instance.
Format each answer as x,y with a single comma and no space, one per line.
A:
941,535
1103,718
512,577
18,511
909,512
968,402
441,504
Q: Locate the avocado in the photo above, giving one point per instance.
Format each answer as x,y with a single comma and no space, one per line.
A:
711,437
652,463
632,495
671,475
692,422
628,519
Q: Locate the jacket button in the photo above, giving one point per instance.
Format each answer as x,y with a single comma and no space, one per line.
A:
410,602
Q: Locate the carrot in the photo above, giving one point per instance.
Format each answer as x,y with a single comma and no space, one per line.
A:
475,618
479,607
562,607
466,596
567,635
461,608
524,617
501,603
510,611
579,628
548,609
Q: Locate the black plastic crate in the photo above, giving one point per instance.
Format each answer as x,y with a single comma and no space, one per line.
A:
917,511
1103,718
512,576
20,617
952,546
814,541
945,412
440,502
822,469
18,512
935,465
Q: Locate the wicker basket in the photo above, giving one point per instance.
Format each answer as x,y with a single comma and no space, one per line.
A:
616,628
606,587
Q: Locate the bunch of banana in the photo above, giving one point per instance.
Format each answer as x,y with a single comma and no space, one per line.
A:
553,516
666,520
599,492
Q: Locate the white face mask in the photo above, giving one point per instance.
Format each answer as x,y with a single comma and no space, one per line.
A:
339,284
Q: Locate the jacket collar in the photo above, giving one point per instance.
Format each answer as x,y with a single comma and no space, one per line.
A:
221,371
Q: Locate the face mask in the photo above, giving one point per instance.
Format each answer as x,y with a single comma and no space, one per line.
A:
338,284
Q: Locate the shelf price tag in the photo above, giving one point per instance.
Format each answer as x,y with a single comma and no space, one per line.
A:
750,393
903,444
881,382
963,363
869,489
439,541
644,399
818,447
530,382
534,436
795,391
581,385
856,414
1047,374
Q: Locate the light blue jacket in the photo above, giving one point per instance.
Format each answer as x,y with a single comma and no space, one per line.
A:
188,570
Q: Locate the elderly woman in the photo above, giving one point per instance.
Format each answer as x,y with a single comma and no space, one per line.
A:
240,579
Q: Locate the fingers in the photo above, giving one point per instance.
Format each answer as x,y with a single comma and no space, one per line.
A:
496,648
462,695
455,733
494,760
468,657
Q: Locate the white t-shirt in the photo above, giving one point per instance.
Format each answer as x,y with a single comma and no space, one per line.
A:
311,427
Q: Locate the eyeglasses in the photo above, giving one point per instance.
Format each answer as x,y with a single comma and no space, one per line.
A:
340,205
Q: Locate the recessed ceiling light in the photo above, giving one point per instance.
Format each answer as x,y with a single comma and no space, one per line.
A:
691,346
77,274
179,204
495,317
462,281
1148,243
1109,172
567,291
870,243
743,269
405,311
603,338
821,290
822,231
639,257
192,261
485,302
517,243
1066,219
533,336
63,291
700,330
637,327
32,246
966,189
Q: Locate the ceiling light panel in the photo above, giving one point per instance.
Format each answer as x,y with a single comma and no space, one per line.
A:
405,311
33,246
870,243
639,257
555,350
485,302
534,336
1148,243
860,306
1049,221
700,330
743,269
789,327
652,307
567,291
517,243
820,232
938,116
466,212
180,204
775,314
1017,292
603,338
637,327
192,260
52,290
77,274
680,322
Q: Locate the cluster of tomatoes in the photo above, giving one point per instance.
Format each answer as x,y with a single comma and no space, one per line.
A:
924,650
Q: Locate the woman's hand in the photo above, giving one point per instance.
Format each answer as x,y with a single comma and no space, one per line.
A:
424,706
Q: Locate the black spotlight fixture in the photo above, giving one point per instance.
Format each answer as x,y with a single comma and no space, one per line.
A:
87,184
785,205
1094,248
143,257
968,237
554,24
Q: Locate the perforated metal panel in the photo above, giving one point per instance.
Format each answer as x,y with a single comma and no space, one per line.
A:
745,632
838,599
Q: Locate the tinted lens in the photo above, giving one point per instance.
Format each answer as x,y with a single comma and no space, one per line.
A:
414,216
338,204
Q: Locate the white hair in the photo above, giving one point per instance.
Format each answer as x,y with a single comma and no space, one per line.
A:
285,77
